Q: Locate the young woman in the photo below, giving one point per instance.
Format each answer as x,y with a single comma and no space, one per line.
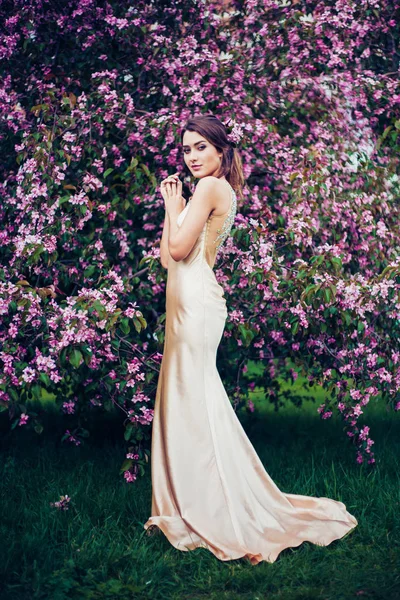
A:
209,487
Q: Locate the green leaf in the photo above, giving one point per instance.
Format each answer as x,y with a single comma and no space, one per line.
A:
39,107
12,307
63,357
124,325
346,317
89,271
137,324
36,391
13,394
126,465
134,163
386,132
337,263
107,173
327,294
146,170
75,358
143,322
87,356
44,378
35,256
128,432
246,334
99,308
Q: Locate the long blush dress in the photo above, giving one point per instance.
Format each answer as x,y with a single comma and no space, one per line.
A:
209,487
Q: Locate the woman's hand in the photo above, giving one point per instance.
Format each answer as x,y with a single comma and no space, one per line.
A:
171,191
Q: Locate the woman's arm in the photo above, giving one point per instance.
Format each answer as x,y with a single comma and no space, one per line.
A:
205,198
164,252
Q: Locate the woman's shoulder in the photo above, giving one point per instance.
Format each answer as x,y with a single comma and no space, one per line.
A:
222,192
219,187
211,180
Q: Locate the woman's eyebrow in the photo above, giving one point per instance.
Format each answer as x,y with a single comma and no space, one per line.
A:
186,146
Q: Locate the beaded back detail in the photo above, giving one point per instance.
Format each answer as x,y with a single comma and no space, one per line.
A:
227,224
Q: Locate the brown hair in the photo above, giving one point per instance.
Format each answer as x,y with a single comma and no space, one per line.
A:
216,133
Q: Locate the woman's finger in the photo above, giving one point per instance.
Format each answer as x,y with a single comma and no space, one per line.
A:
168,182
167,179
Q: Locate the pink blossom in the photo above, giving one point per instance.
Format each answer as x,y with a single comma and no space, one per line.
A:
129,477
364,432
28,374
23,419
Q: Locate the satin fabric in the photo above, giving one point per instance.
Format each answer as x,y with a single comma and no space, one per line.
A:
209,487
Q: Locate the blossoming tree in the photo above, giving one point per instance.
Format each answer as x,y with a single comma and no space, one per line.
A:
92,99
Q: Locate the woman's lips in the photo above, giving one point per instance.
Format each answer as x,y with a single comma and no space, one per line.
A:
197,167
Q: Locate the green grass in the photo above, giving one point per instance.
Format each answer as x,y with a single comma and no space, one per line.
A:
98,548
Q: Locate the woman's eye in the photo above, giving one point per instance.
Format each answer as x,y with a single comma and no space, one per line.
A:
199,148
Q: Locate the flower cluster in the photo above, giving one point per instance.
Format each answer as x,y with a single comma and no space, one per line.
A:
61,504
235,132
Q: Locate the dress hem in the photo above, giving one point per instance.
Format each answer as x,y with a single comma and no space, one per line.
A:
254,559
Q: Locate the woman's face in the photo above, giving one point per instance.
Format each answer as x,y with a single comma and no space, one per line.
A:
199,151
